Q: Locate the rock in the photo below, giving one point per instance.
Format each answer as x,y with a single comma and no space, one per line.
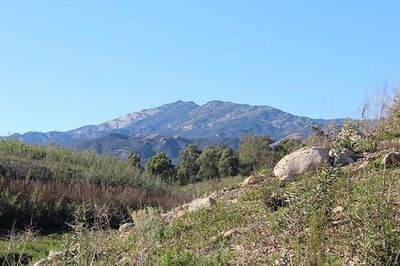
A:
338,209
201,203
300,161
180,213
125,261
342,156
55,255
124,228
287,179
251,180
281,262
229,234
42,262
391,160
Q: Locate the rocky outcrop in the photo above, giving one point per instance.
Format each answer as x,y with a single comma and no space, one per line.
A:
301,161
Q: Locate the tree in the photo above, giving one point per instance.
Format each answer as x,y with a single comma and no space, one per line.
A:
134,161
188,169
228,164
287,146
255,152
162,166
208,164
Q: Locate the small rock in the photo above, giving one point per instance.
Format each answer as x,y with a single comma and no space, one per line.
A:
42,262
251,180
124,228
214,239
281,262
391,160
201,203
342,156
234,201
55,255
180,213
338,209
229,234
125,261
287,179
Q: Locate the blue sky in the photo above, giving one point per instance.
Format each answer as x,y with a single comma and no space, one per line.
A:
64,64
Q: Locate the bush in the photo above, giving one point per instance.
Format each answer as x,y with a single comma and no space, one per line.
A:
148,221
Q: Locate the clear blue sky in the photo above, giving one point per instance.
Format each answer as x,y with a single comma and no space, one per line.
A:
64,64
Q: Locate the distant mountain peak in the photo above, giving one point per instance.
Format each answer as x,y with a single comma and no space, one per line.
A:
186,120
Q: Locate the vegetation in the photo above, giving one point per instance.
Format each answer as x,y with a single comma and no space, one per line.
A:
43,187
188,168
338,215
160,165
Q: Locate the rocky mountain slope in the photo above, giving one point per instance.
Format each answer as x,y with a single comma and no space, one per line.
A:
214,120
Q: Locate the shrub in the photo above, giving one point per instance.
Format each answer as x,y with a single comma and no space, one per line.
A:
148,221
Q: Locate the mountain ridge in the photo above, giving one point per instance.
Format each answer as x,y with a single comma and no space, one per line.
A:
184,119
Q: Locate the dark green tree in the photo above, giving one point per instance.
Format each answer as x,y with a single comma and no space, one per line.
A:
162,166
208,164
228,164
188,169
134,161
255,152
287,146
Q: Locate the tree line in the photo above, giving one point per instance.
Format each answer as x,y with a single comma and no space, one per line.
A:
255,154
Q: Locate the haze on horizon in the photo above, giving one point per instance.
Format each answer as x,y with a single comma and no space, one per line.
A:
67,64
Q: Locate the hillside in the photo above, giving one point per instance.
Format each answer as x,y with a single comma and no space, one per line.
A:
329,217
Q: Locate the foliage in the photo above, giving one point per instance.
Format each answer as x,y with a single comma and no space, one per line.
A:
134,161
348,136
160,165
228,163
148,221
255,152
208,164
45,185
188,168
328,217
287,146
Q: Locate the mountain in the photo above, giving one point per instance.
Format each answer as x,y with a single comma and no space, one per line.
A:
175,125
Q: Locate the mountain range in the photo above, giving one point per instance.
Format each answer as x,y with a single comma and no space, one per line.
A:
173,126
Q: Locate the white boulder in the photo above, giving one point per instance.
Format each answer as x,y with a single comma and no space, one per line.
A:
300,161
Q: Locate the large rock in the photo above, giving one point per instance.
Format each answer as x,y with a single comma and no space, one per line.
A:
342,156
391,160
201,203
300,161
125,228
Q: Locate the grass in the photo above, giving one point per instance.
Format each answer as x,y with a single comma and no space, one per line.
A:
200,189
27,247
298,225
